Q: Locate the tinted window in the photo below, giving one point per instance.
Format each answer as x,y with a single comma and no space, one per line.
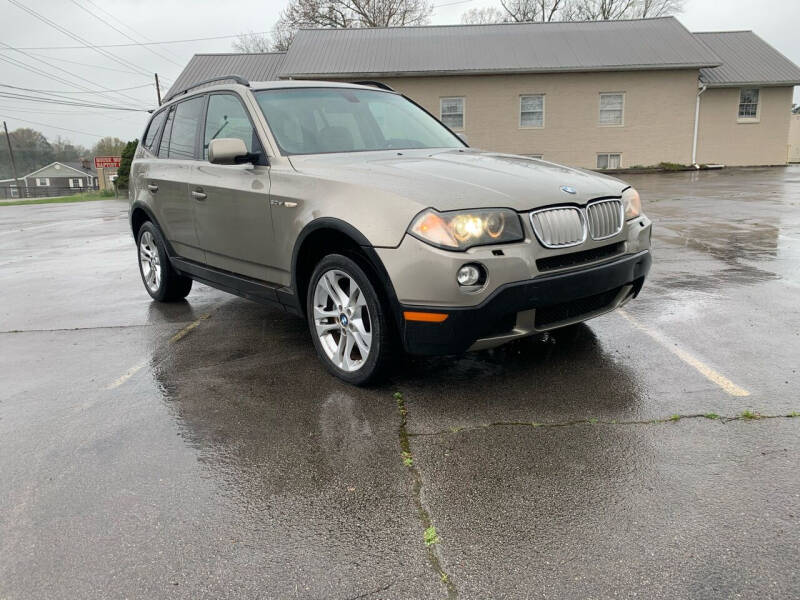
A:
163,147
316,120
183,138
152,131
227,118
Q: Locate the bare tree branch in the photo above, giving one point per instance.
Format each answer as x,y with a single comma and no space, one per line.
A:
252,42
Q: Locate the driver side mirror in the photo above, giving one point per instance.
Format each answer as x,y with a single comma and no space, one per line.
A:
228,151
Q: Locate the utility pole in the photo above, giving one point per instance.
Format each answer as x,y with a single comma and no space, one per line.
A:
13,164
158,90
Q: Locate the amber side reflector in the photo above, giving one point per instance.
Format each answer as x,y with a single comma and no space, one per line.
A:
425,316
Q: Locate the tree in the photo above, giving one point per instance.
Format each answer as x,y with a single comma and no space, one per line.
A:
249,43
65,151
124,171
526,11
31,151
108,146
482,16
348,13
523,11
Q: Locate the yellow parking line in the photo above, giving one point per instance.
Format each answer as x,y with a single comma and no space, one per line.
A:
702,368
136,368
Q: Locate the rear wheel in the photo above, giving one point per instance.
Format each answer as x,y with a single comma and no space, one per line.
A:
347,320
161,281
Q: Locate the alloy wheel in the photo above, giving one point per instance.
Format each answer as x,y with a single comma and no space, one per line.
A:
150,261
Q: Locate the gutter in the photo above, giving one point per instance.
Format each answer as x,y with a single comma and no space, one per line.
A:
703,88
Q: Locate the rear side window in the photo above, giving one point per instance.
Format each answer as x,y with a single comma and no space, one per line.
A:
183,138
228,118
152,131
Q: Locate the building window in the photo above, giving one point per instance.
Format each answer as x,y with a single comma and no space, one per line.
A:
42,181
14,191
76,183
531,110
748,104
451,111
608,161
612,107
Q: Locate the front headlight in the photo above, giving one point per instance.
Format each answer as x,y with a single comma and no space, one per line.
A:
632,203
460,230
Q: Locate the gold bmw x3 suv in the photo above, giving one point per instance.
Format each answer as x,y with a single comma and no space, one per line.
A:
351,206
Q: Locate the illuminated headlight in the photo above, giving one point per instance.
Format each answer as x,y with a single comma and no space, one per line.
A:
632,203
460,230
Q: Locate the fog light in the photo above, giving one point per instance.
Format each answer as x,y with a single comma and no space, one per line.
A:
469,275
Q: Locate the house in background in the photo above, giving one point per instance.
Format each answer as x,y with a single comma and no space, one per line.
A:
55,179
601,95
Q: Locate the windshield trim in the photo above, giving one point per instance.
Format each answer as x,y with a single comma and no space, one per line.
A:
285,152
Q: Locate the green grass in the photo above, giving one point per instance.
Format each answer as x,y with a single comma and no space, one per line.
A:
431,537
85,197
408,460
749,414
675,418
711,415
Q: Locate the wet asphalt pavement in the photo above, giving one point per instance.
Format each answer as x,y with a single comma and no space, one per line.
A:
199,450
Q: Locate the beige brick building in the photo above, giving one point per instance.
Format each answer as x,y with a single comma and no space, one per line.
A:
601,95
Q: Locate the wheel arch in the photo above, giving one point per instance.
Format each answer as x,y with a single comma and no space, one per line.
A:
139,214
328,235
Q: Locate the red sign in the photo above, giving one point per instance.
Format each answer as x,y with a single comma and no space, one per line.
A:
107,162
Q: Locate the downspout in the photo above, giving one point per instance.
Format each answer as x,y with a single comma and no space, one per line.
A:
703,88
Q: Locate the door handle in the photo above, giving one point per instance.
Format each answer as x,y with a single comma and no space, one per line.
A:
198,195
152,187
285,203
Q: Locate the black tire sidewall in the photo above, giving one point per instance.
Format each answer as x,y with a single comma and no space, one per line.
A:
161,293
374,363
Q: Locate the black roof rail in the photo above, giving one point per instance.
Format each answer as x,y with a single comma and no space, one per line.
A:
237,78
376,84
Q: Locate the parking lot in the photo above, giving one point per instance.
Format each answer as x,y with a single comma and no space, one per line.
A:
200,450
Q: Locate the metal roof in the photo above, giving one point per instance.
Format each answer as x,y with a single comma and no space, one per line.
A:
746,59
254,67
661,43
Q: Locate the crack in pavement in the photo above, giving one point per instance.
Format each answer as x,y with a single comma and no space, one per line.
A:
745,416
422,511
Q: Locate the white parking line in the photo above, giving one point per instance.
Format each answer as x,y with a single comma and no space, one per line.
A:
726,384
138,367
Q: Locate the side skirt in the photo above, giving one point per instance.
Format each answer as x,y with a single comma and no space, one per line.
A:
238,285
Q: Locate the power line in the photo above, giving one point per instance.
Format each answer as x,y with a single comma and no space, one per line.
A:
78,62
94,46
104,91
26,66
28,98
52,126
118,30
74,36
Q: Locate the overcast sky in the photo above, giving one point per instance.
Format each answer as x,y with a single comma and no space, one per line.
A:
165,20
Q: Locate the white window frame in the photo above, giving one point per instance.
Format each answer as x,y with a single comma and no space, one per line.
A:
600,110
39,181
13,190
79,183
544,111
608,156
757,117
463,99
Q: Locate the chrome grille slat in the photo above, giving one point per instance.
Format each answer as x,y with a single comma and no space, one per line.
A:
605,219
559,227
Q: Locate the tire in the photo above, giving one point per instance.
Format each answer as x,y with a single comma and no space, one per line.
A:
340,334
161,281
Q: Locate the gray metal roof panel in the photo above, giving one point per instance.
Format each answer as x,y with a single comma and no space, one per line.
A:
253,67
746,59
509,47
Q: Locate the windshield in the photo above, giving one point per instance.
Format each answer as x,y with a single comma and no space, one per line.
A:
319,120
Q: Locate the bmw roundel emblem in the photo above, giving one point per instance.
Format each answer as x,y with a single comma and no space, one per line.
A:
568,190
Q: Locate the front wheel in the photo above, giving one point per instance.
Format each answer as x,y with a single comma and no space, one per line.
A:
348,322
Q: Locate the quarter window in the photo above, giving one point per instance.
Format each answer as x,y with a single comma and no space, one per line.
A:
611,108
183,137
152,131
451,112
608,161
227,118
531,110
748,104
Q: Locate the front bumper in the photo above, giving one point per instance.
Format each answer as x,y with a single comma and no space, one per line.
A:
525,307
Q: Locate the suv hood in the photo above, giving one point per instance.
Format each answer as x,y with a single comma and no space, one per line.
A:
461,178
